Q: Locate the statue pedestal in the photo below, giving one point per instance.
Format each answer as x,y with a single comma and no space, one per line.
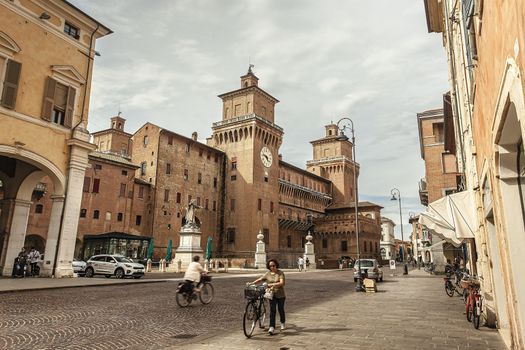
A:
309,252
189,246
260,255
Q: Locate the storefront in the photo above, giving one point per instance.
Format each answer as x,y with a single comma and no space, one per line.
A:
118,243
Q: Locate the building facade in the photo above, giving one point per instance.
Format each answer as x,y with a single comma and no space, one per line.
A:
387,243
46,59
483,42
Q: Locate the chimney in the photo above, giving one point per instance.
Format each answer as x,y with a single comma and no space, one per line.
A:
194,136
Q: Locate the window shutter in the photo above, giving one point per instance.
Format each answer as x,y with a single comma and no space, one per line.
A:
12,78
49,99
70,107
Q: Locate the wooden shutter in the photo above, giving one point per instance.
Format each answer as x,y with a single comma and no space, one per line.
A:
68,121
12,78
49,99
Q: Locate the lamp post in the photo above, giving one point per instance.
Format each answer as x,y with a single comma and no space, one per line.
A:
396,196
344,124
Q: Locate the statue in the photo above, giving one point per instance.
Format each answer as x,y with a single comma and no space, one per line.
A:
190,214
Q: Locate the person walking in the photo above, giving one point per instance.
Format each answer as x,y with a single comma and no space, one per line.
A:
34,258
300,263
276,281
307,264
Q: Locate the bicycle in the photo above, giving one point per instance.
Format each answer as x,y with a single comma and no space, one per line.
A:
429,267
186,293
474,305
255,311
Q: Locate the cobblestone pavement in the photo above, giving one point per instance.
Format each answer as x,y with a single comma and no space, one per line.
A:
323,312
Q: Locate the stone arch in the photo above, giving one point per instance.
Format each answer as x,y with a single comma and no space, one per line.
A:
230,136
235,135
36,241
241,134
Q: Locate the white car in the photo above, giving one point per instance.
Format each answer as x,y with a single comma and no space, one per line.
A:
113,265
369,267
79,267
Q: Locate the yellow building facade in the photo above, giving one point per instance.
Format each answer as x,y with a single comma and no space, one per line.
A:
46,57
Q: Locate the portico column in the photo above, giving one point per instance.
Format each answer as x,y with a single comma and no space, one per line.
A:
78,162
17,234
52,235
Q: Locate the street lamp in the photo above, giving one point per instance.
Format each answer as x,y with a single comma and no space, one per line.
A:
344,124
396,196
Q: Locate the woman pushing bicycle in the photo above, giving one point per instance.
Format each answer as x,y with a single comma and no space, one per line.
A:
276,281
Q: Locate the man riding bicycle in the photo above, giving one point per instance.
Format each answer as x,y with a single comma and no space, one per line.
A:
193,274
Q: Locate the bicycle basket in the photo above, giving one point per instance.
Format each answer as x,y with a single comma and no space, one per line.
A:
205,278
252,292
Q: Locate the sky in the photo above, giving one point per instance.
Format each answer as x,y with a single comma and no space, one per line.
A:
371,61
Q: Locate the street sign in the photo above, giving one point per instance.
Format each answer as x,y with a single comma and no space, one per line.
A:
392,264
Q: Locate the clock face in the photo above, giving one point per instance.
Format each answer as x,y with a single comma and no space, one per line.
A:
266,157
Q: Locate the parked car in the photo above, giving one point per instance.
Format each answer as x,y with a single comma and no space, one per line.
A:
113,265
79,267
369,267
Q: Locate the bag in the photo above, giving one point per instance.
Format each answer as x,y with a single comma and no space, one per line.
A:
268,294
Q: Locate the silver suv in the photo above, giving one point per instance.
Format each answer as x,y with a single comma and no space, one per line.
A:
113,265
369,267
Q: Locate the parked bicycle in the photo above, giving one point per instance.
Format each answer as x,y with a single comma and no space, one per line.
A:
430,268
186,292
256,306
474,304
455,286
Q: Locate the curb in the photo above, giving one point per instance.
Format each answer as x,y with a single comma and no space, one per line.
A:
80,286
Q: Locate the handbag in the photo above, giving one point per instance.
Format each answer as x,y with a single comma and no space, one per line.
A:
268,294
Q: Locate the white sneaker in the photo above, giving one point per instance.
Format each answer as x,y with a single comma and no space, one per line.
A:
282,327
270,330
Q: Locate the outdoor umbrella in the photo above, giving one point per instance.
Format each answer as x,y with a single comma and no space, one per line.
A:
168,251
150,249
208,248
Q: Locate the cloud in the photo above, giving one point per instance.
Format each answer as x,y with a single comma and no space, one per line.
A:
371,61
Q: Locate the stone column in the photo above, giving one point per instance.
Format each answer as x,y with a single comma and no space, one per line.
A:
78,162
17,234
52,235
309,252
260,252
6,215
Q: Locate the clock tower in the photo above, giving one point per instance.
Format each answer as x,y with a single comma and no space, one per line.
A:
250,138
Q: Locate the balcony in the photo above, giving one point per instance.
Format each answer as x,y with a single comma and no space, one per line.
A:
423,192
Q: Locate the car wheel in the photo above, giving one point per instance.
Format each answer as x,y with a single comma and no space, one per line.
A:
89,272
137,277
119,273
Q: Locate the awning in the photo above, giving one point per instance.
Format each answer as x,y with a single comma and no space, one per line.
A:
453,217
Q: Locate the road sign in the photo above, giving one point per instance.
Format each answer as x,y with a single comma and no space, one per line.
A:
392,264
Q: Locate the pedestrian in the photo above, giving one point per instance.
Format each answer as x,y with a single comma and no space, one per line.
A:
300,263
276,281
22,263
340,262
34,258
307,261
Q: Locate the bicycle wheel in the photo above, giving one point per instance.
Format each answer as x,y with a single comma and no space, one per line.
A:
476,313
183,299
449,288
207,293
465,295
470,310
262,313
249,319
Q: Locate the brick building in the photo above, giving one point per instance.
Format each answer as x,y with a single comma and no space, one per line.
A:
140,184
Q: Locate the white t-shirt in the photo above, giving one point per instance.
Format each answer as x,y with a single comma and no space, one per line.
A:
34,256
300,261
193,272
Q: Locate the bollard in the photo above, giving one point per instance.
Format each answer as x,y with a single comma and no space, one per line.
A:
148,265
179,265
405,269
162,265
206,262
